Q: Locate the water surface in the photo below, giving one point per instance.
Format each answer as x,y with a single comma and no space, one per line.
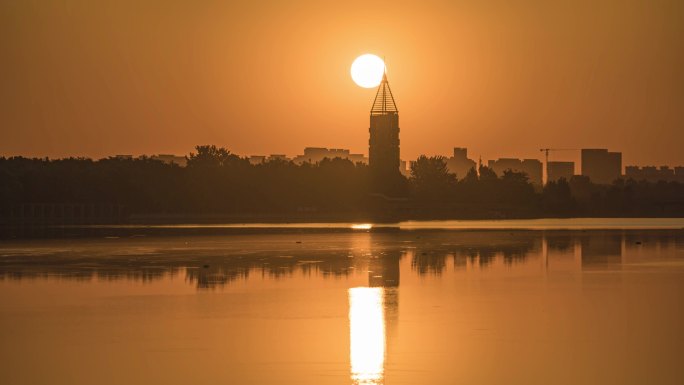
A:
345,307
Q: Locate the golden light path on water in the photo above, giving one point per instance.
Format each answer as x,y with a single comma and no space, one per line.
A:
362,226
367,335
507,224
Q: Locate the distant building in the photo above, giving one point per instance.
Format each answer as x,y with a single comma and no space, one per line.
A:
654,174
358,158
403,168
171,159
531,167
459,164
257,159
314,155
127,157
557,170
679,172
277,157
409,165
601,166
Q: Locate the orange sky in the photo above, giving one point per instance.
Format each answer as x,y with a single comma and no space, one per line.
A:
98,78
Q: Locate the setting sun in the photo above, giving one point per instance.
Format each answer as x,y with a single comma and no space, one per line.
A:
195,192
367,70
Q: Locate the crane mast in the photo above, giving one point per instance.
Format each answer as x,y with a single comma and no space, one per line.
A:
546,156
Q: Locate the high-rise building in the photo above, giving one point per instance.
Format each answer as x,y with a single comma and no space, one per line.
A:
531,167
459,164
601,166
383,154
559,170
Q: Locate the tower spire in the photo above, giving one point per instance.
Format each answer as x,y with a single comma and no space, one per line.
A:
383,151
384,101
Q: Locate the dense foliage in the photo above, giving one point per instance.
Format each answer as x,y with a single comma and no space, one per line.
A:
220,183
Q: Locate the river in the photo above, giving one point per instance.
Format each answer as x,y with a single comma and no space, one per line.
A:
414,303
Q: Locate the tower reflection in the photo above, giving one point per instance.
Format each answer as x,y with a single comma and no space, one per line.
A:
372,312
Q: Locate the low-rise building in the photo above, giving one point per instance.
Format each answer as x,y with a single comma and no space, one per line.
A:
277,157
459,163
256,159
314,155
654,174
531,167
171,159
559,170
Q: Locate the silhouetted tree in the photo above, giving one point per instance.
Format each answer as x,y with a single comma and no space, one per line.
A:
217,182
211,156
518,191
557,198
431,178
486,173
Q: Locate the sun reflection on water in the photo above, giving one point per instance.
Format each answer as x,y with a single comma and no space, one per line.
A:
362,226
367,335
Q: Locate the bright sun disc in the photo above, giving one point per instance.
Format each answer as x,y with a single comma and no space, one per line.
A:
367,70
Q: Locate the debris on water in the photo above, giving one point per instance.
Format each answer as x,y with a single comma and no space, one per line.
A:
298,242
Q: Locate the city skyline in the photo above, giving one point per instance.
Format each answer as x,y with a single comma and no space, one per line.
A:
569,77
225,192
460,164
459,160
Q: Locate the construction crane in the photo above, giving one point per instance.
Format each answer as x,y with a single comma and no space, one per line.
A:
546,154
546,151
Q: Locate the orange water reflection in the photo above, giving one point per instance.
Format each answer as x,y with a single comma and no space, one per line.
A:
366,335
594,307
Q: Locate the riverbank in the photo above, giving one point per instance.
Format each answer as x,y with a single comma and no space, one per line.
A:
183,229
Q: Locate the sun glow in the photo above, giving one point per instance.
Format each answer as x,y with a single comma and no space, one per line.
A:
367,70
362,226
367,335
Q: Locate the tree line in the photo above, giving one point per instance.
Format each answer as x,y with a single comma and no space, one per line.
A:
483,193
217,182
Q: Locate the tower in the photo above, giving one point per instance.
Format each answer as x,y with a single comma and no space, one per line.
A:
383,154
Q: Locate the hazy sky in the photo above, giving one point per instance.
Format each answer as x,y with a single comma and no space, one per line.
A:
98,78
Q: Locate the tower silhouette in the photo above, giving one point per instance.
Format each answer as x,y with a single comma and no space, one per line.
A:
383,154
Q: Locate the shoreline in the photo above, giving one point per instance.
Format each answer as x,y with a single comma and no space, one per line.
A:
255,228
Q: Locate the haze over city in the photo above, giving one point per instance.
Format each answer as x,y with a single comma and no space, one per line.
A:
103,78
341,193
